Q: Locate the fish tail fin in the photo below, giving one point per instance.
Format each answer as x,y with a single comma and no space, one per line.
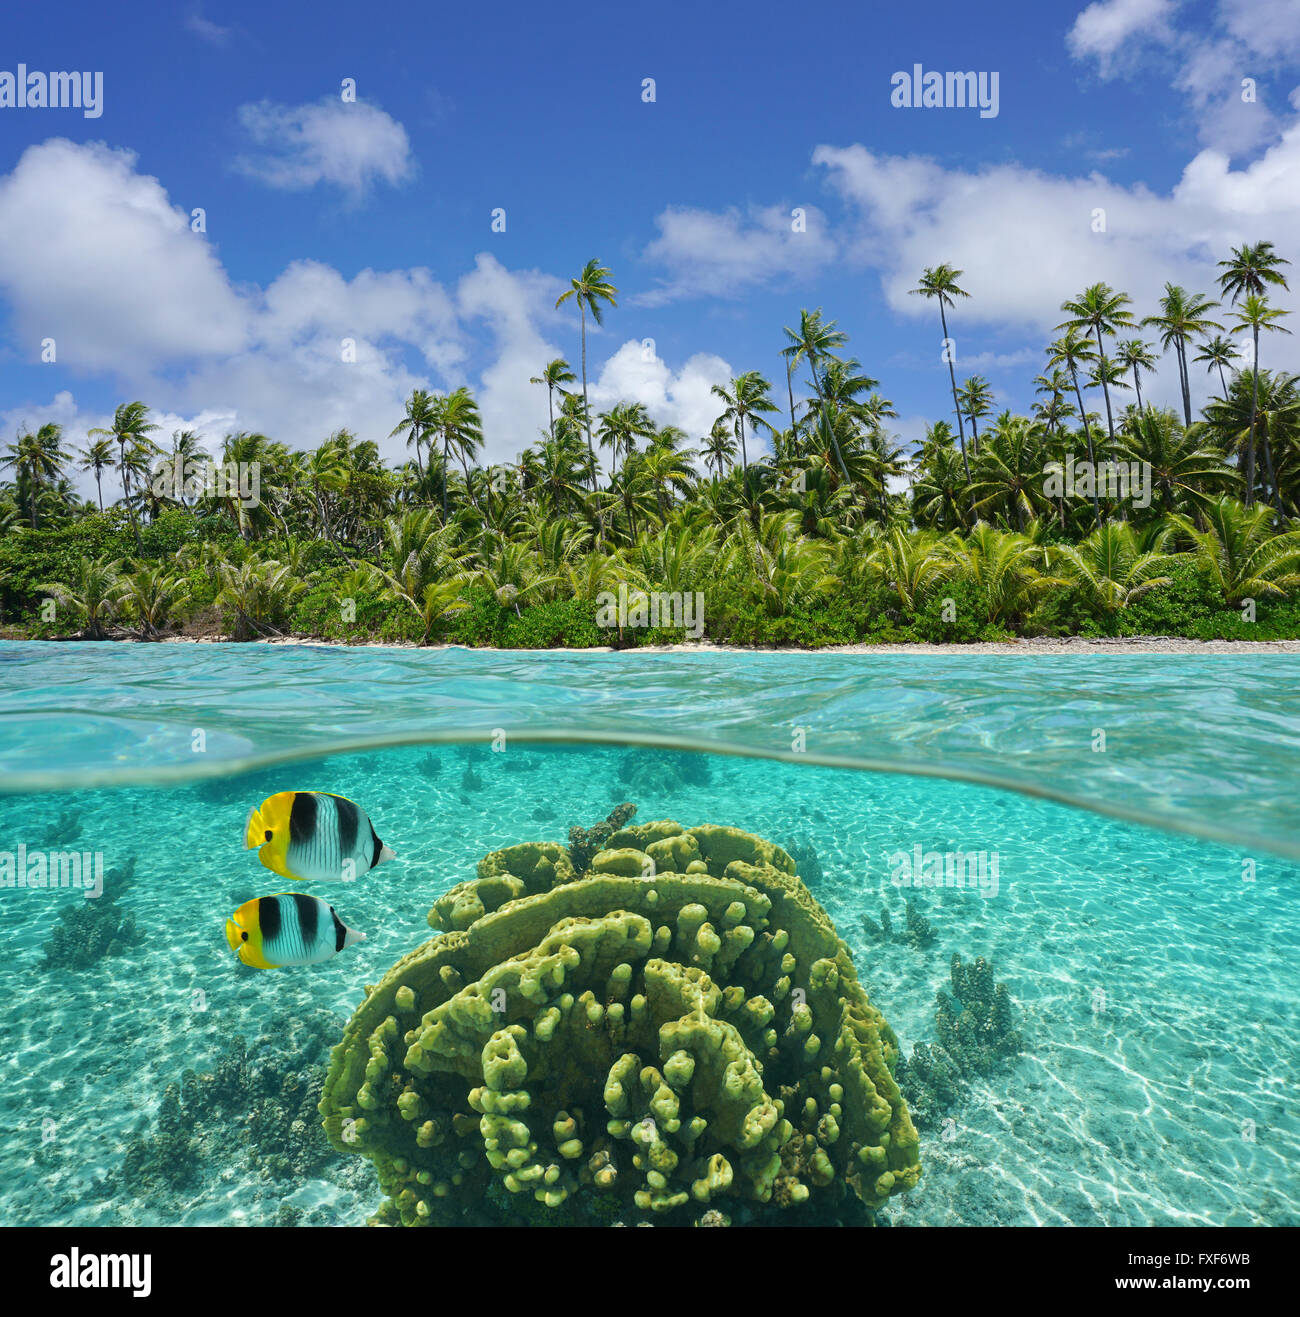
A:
352,937
253,830
386,853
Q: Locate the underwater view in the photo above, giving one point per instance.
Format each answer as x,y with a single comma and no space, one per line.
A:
289,944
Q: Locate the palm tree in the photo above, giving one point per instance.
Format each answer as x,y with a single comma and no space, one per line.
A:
150,591
975,398
1249,272
1113,568
940,282
131,425
1217,353
1135,355
94,594
455,417
1072,350
555,375
97,457
1183,466
589,290
1009,472
746,398
621,427
38,458
1004,567
1238,553
1101,309
419,419
720,447
1182,318
1273,401
813,341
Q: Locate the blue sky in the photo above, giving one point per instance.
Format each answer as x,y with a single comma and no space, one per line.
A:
371,220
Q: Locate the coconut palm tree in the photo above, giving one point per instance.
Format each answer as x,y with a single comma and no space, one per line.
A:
422,568
94,594
814,341
1273,400
719,449
1237,550
746,399
1004,567
555,375
975,398
1182,318
131,425
1136,356
939,283
150,592
1071,351
37,459
257,591
1255,314
1009,470
418,420
1250,271
1184,467
1113,567
1217,353
589,290
97,457
1101,309
620,428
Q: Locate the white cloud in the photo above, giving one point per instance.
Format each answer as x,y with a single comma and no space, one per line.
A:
1025,238
513,410
211,32
720,254
349,144
1243,39
1107,26
636,373
96,257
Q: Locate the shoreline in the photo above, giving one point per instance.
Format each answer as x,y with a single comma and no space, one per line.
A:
1038,646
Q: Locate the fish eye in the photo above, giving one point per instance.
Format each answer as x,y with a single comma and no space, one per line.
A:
243,937
269,834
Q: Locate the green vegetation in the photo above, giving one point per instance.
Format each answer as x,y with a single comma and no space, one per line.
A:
1132,521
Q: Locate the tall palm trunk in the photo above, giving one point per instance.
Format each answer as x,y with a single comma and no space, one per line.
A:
1180,346
1254,412
952,379
446,462
1137,384
1105,388
126,493
1087,430
586,408
789,386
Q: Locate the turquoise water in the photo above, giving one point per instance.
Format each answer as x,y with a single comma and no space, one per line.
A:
1154,973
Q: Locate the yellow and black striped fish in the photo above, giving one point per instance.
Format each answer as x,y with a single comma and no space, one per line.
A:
270,932
308,836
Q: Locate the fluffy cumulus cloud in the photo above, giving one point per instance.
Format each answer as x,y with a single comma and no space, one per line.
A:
720,254
1026,240
96,257
349,144
511,305
636,373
